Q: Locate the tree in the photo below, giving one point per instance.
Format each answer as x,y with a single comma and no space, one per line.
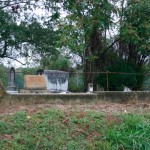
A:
16,6
87,24
134,44
6,33
118,81
25,38
58,62
83,32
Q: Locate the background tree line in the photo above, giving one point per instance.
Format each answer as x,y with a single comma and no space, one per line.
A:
99,35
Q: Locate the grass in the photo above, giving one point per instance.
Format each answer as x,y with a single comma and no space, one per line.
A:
53,129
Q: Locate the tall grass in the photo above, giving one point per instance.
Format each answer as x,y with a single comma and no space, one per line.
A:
56,130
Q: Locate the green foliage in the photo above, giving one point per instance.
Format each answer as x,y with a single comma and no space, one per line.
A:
3,75
54,129
76,82
118,81
83,32
28,71
126,135
7,30
42,38
82,21
56,63
135,31
146,82
25,39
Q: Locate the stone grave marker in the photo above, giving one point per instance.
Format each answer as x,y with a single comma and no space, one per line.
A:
90,87
34,82
11,80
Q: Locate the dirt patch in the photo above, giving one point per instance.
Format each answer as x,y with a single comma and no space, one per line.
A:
5,137
134,107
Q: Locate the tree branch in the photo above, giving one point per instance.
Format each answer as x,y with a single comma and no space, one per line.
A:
109,47
14,59
4,51
12,4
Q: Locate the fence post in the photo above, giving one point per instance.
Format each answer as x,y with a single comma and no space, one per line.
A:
107,81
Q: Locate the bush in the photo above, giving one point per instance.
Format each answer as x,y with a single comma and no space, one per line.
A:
76,83
118,81
3,75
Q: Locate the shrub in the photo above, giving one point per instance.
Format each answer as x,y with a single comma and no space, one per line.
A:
118,81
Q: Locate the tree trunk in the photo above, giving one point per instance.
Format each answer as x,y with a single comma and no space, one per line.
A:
91,63
90,74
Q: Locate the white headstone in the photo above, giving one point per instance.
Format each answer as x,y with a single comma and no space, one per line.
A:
126,89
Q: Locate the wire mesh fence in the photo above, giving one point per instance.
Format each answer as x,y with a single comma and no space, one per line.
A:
112,81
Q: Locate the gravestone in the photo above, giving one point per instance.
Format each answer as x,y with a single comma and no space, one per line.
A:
57,81
2,89
90,87
34,82
11,80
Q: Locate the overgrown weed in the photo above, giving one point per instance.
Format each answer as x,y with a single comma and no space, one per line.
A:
55,129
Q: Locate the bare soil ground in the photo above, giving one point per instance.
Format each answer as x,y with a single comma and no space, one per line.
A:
109,108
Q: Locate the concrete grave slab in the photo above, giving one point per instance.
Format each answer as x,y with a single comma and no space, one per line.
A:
57,81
